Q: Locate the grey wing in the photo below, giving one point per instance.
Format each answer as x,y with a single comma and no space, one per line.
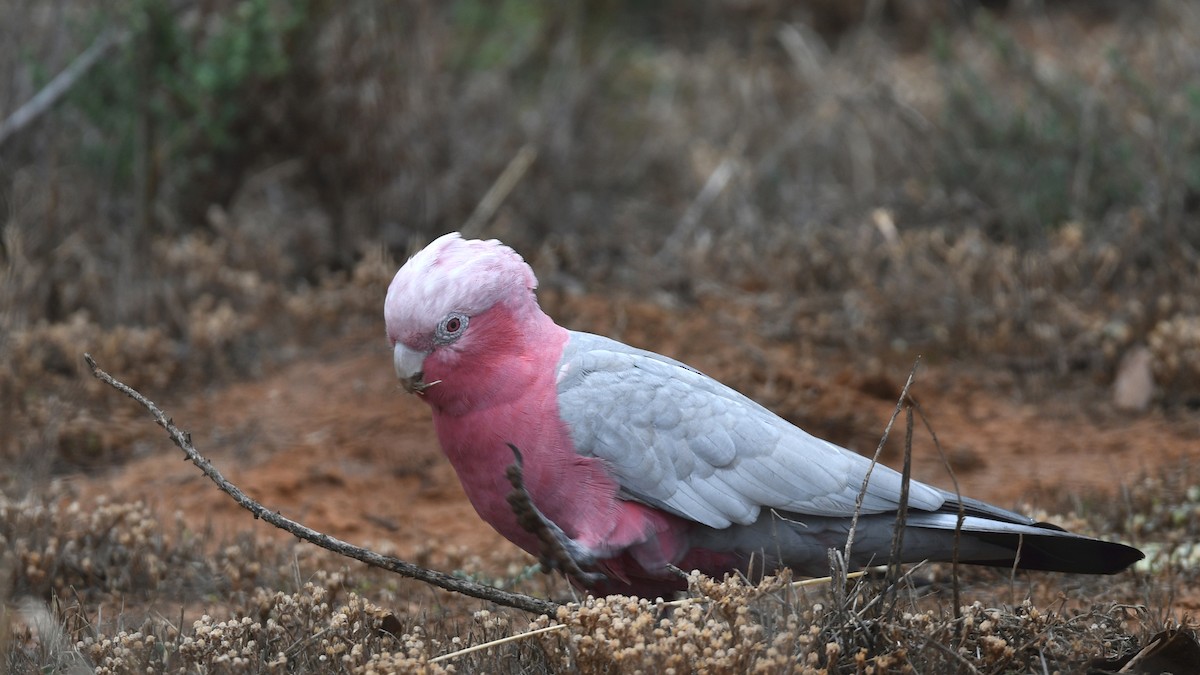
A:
683,442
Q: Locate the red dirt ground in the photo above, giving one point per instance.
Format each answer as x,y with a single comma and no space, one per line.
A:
332,441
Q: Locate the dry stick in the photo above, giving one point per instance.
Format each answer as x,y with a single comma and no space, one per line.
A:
893,574
902,511
495,196
862,493
184,440
962,514
963,663
876,598
497,642
837,592
712,189
54,90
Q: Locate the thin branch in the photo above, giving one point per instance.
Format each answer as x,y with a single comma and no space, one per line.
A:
184,440
895,559
862,493
508,179
964,665
56,88
962,514
712,189
497,642
902,512
889,594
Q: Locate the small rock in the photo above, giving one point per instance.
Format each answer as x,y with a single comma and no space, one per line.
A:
1134,386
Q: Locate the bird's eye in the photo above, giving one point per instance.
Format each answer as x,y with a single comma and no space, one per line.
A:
451,327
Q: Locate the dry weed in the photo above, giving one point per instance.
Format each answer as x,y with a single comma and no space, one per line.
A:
814,190
722,627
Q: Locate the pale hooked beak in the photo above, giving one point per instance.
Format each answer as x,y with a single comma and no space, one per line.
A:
409,366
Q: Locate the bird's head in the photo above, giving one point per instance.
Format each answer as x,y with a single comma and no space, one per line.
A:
455,307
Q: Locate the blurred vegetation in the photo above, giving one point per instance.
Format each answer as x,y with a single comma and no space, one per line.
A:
237,179
184,109
296,138
1041,145
1037,153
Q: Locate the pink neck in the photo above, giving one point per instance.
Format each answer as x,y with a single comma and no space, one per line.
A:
502,389
513,348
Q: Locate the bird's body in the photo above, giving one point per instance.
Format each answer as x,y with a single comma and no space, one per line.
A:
644,463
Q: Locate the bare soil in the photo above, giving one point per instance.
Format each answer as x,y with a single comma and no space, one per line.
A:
331,440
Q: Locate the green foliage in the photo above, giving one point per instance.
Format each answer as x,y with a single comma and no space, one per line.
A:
1037,149
184,91
1169,118
497,34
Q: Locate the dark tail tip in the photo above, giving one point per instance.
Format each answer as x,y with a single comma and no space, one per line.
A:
1077,555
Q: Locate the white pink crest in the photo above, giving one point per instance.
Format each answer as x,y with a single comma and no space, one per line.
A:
453,274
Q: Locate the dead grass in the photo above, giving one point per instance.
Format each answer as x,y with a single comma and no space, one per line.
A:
347,621
866,197
828,191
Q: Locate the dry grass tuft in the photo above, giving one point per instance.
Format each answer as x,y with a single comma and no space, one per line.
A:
817,191
308,630
1175,348
341,621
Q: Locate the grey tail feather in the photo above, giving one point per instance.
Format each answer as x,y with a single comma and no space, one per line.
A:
802,542
1057,553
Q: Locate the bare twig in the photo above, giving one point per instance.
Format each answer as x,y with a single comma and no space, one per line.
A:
888,595
962,515
963,664
902,512
54,90
508,179
184,440
497,642
894,560
862,492
712,189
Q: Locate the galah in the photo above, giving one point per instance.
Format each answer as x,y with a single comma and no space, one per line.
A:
642,466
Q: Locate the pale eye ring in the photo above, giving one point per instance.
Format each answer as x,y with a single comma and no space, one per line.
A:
451,327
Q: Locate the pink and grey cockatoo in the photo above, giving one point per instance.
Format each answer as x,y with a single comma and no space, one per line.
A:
640,465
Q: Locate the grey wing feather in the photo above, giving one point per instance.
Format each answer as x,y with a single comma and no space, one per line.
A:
681,441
